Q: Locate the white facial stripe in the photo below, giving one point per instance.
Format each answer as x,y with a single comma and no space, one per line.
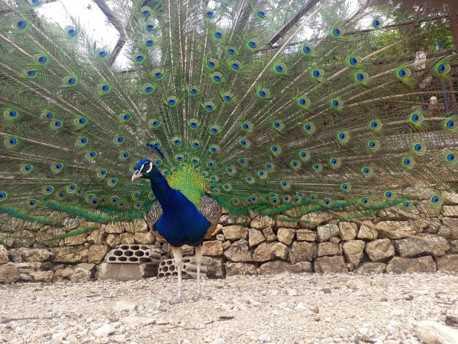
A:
141,169
150,167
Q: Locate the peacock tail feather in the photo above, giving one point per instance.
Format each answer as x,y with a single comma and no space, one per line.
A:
339,121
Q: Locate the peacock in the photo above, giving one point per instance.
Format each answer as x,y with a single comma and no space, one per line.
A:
251,106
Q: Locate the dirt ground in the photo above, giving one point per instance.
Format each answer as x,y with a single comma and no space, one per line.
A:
285,308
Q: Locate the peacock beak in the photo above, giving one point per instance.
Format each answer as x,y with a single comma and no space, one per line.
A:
136,175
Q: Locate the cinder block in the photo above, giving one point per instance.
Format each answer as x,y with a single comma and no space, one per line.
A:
133,254
126,272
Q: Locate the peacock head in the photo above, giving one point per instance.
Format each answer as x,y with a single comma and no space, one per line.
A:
142,169
145,168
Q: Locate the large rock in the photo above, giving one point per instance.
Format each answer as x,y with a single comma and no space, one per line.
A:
127,238
269,234
328,231
212,248
330,264
285,221
354,251
263,253
35,254
83,272
255,237
450,197
367,231
450,228
215,267
235,232
348,230
239,252
312,220
144,238
96,253
63,273
226,220
113,228
3,255
371,268
278,266
280,250
450,210
448,263
422,244
70,254
328,249
302,251
421,264
305,235
96,237
76,240
113,240
454,246
285,235
380,249
260,222
240,269
395,229
41,276
8,273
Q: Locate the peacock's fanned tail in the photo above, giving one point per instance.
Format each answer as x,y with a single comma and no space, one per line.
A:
351,119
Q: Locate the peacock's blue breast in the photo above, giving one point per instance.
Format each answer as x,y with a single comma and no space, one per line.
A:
181,222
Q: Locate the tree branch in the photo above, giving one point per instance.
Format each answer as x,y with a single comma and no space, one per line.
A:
118,26
307,7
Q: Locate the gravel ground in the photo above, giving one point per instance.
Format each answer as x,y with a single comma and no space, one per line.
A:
285,308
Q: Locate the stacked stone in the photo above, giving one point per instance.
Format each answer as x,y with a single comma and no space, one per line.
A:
75,258
414,240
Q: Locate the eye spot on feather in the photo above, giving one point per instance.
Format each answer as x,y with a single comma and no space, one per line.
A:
193,91
231,51
139,58
306,50
102,53
71,31
376,23
149,28
252,44
31,73
261,14
3,195
22,24
360,76
27,168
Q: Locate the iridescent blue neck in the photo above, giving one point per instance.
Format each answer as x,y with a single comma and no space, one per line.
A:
161,188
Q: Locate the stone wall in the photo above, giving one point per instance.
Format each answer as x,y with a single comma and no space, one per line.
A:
415,240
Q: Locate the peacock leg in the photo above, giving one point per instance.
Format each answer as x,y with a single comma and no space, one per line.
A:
199,262
178,257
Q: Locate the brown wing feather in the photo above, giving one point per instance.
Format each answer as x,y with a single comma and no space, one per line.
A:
212,211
